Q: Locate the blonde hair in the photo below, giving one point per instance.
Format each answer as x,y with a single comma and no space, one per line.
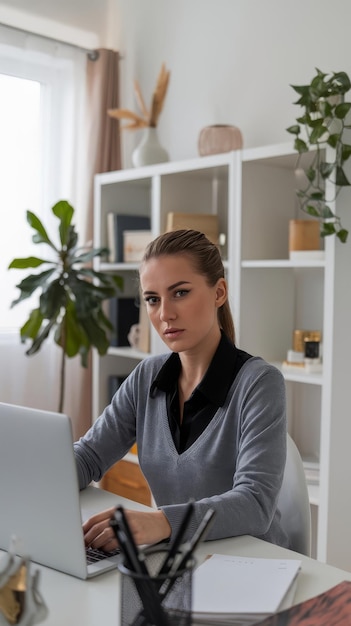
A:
206,261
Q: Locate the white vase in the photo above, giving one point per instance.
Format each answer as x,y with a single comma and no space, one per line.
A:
149,150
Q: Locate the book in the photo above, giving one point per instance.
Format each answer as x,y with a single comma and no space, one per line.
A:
117,223
144,329
231,589
123,313
327,609
134,244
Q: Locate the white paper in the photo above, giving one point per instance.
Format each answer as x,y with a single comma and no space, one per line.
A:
231,585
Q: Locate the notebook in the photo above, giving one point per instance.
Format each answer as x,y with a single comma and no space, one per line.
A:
242,590
39,492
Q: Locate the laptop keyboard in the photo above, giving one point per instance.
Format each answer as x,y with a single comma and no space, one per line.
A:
93,555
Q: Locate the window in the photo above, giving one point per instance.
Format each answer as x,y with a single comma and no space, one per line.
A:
42,90
20,167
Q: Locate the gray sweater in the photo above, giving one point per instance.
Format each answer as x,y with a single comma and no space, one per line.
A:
235,466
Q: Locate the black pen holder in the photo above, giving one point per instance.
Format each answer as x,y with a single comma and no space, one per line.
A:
156,600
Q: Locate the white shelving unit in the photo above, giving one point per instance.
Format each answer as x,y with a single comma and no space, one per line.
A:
253,194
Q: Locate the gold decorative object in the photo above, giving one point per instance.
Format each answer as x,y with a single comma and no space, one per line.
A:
20,600
300,336
147,117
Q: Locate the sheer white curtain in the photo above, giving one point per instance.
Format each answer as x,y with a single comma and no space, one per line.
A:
56,172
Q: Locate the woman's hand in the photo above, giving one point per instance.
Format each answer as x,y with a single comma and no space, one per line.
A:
147,527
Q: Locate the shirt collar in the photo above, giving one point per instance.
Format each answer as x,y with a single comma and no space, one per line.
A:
216,381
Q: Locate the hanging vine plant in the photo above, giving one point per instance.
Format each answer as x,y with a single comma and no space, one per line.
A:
323,122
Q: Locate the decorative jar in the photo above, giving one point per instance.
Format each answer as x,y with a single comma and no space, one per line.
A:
219,138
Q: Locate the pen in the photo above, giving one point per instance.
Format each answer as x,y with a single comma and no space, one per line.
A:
169,560
190,547
138,564
148,594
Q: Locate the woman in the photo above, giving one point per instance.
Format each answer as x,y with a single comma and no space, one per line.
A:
209,419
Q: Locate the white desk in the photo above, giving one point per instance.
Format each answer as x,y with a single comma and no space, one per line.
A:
95,602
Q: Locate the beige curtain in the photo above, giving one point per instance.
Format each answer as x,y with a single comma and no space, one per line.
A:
104,154
104,140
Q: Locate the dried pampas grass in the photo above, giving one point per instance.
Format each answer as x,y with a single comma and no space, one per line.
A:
147,117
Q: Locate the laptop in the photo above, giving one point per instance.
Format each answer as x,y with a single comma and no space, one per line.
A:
39,493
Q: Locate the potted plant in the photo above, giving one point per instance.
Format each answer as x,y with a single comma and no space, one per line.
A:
71,293
324,121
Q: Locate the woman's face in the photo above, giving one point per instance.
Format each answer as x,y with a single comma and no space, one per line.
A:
180,304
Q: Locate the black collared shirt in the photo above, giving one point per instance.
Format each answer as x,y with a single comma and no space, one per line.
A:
206,398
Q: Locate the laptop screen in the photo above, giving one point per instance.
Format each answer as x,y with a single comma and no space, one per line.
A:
39,491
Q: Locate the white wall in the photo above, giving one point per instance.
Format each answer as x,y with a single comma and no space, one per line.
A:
231,61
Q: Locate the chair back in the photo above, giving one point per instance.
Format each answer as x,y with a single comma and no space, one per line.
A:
293,502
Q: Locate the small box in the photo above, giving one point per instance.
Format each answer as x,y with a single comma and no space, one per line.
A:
134,244
203,222
304,239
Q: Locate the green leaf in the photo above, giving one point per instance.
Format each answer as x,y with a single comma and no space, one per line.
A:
318,86
318,133
85,257
72,239
40,338
104,321
341,179
294,130
64,211
30,261
32,326
53,299
342,234
107,279
317,196
300,146
88,294
28,285
318,122
311,174
333,139
345,152
96,335
326,212
73,333
41,236
326,169
328,228
342,79
341,110
311,210
325,108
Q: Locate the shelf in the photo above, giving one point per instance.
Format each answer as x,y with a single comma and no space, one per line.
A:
281,263
213,165
253,193
119,267
300,376
127,352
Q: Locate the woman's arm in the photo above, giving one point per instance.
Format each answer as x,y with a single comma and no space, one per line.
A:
109,439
